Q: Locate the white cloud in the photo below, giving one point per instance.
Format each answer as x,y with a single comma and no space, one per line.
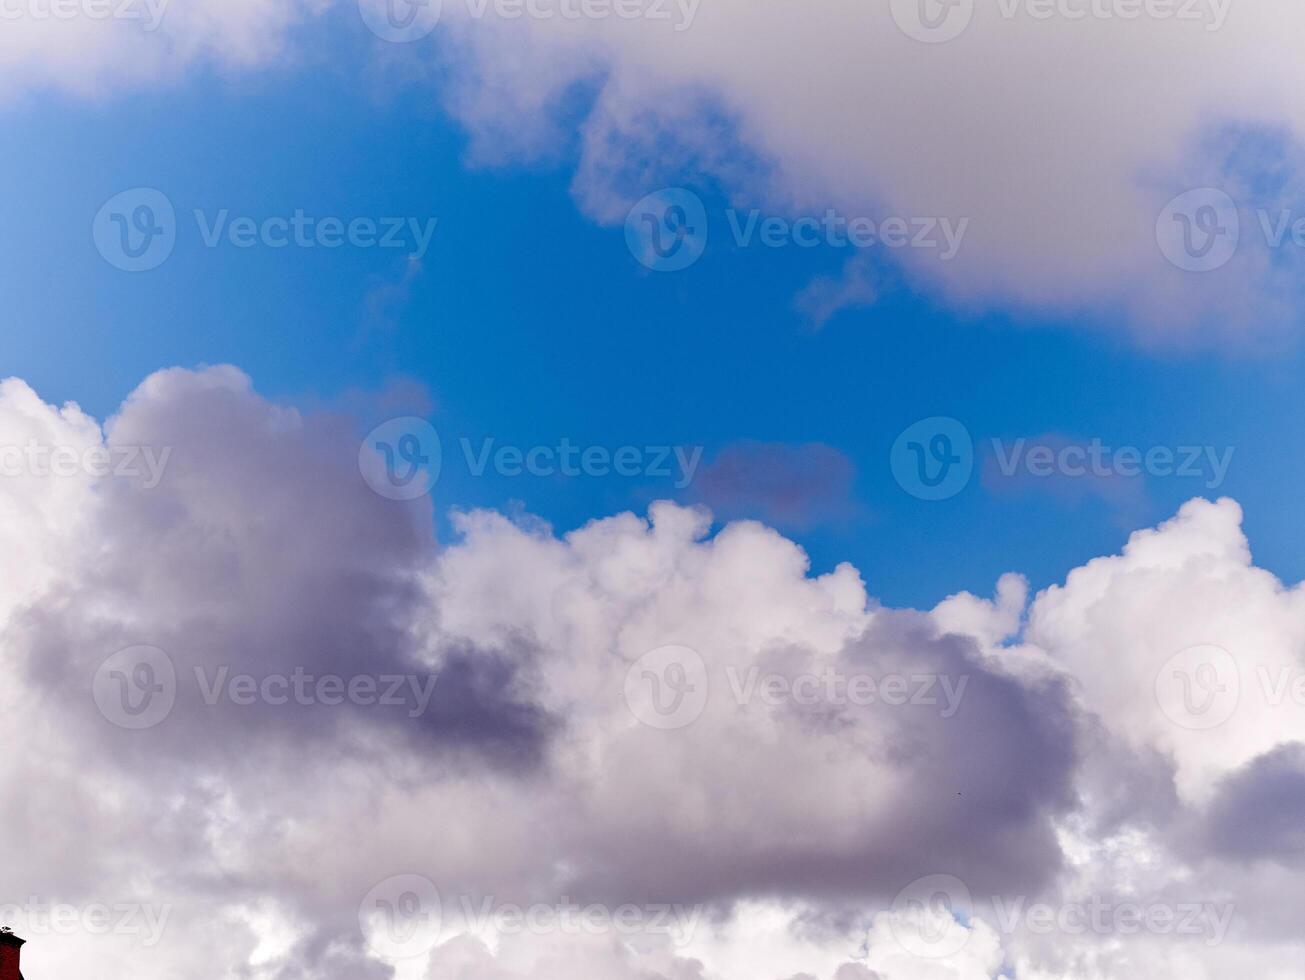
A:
1059,162
783,827
1198,570
103,48
1062,162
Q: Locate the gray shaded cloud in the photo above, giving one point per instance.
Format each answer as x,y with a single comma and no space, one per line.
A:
534,779
1258,812
790,486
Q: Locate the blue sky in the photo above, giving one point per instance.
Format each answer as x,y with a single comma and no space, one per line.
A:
529,322
336,292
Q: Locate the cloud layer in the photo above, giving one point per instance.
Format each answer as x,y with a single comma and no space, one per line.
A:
637,715
1015,124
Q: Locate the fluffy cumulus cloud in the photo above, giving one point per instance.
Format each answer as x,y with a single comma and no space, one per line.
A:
1011,128
639,749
